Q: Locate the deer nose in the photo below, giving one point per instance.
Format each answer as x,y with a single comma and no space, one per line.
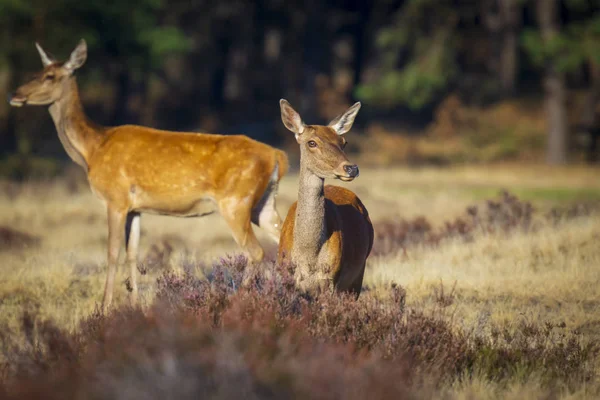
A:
9,97
351,170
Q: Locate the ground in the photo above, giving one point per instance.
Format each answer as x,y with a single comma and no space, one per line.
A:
550,276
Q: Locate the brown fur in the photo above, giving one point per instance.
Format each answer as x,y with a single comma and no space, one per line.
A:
327,233
135,170
349,234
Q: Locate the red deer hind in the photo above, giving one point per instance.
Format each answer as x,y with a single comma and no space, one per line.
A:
135,169
327,234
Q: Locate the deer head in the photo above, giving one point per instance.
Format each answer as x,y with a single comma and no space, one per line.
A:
322,147
48,86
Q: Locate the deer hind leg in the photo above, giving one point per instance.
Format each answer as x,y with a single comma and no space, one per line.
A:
132,241
268,218
265,214
116,229
238,218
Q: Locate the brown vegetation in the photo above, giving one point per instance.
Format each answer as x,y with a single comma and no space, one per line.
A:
461,133
211,337
11,239
502,304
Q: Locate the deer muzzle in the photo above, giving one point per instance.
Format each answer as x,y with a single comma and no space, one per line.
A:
350,172
16,100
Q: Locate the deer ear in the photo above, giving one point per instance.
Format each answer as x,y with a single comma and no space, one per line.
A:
342,123
78,57
291,119
47,59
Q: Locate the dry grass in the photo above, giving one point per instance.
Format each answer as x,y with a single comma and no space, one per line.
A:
500,281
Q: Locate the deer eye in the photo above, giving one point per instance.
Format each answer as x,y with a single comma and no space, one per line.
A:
49,77
312,143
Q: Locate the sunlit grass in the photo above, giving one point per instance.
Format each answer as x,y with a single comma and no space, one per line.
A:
550,276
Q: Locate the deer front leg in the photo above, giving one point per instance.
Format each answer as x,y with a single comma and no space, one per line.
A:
132,241
313,279
356,286
116,228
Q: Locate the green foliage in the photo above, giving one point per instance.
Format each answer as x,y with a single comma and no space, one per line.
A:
131,35
420,49
26,166
163,41
414,85
130,30
13,7
569,48
418,52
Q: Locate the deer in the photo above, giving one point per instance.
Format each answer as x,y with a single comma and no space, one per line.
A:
327,234
135,169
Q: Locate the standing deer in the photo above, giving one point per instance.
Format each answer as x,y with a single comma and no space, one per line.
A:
135,169
327,234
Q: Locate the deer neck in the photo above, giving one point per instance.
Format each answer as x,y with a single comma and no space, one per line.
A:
77,134
309,229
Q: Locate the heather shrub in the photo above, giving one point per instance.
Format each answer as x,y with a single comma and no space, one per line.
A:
503,215
558,215
273,304
12,239
212,337
534,350
168,353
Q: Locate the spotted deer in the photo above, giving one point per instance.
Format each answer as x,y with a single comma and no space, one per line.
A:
135,169
327,234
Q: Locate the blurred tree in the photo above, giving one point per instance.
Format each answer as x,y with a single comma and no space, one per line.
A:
559,49
418,55
590,115
127,40
131,37
586,36
222,66
431,47
502,18
554,80
12,15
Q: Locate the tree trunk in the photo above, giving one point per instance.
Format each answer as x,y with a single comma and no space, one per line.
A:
509,61
502,19
509,64
8,129
316,57
554,85
360,39
224,43
5,142
590,122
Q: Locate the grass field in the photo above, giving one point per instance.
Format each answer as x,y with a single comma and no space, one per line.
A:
545,277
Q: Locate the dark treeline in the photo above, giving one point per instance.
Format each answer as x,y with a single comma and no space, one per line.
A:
222,66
